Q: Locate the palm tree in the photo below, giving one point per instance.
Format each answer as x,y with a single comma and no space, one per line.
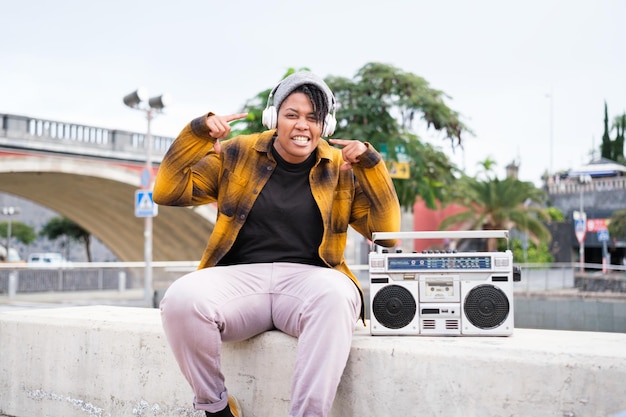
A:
496,204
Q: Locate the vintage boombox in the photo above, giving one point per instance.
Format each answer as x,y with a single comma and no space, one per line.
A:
441,293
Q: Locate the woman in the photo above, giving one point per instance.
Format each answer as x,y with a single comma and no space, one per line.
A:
274,260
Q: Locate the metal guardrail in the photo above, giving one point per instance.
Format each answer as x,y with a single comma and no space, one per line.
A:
86,276
39,280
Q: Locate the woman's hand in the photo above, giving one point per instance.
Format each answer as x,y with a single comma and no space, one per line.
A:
219,127
350,151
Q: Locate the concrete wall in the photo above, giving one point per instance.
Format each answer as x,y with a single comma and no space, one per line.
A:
114,361
580,314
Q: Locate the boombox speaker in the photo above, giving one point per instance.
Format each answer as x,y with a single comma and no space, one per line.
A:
441,293
394,306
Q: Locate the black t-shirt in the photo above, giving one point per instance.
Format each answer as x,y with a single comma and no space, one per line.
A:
284,224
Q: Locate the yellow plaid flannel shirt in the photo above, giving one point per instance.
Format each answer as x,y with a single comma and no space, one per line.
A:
192,174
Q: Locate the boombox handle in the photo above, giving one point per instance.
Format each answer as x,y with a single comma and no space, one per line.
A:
441,234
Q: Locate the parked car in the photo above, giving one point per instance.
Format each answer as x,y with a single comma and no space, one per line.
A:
13,256
48,258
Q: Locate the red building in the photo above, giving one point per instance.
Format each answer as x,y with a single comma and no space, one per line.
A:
425,219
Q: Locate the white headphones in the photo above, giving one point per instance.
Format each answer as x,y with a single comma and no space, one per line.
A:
270,114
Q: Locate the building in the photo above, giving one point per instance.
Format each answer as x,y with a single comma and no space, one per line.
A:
598,189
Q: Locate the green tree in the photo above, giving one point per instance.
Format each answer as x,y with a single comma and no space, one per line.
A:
619,124
487,167
613,149
617,224
62,227
386,107
535,253
556,215
19,231
496,204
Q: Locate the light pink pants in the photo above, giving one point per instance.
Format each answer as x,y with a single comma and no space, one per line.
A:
319,306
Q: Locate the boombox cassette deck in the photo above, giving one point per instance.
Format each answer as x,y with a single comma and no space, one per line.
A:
441,293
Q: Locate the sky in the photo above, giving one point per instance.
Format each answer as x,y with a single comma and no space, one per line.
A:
530,79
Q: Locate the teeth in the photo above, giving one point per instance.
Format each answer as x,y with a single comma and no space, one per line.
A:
300,139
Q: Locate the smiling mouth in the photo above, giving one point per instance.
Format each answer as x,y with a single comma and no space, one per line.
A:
300,139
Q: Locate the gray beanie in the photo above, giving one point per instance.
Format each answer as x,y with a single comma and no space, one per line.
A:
295,80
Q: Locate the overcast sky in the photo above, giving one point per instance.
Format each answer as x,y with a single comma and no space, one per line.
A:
529,78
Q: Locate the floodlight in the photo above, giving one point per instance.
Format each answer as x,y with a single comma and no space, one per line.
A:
133,99
159,102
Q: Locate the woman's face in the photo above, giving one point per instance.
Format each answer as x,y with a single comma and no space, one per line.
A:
297,131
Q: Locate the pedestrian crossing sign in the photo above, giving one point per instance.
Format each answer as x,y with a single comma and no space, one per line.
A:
144,205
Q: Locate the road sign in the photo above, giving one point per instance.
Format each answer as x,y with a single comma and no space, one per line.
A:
596,225
383,151
146,178
144,205
580,227
401,154
399,170
603,235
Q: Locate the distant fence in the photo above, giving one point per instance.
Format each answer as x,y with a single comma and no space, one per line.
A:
37,280
86,276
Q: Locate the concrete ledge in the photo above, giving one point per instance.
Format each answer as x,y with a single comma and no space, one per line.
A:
114,361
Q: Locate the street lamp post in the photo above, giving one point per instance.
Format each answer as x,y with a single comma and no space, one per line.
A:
9,211
551,97
138,100
582,180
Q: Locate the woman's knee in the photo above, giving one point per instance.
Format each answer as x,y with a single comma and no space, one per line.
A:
339,300
181,299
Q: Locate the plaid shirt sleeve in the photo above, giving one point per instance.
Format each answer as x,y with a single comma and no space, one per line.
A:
363,197
188,173
376,207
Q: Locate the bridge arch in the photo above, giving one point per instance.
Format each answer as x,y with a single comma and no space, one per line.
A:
99,196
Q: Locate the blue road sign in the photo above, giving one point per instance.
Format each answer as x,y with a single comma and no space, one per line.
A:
145,178
603,235
579,229
144,205
579,225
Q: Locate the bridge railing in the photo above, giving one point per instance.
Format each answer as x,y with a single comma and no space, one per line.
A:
23,132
